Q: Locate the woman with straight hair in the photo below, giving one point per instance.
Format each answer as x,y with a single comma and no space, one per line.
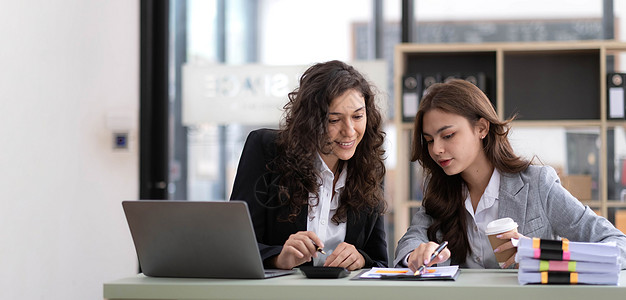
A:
474,177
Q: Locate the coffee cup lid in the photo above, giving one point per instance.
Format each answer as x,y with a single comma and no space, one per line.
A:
500,226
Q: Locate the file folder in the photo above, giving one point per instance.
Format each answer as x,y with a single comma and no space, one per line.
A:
411,95
479,79
445,77
430,79
415,85
615,97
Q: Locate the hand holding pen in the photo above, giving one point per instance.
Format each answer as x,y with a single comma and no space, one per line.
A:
427,254
319,249
301,247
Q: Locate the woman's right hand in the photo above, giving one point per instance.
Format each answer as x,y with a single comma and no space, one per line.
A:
421,256
298,249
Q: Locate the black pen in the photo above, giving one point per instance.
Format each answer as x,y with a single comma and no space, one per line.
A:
319,249
437,251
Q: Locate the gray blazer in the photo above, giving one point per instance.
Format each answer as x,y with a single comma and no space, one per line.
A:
536,200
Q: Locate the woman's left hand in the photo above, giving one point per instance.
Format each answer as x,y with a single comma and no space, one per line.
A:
508,245
345,256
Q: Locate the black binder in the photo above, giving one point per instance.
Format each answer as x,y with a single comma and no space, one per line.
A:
411,96
445,77
479,79
616,83
430,79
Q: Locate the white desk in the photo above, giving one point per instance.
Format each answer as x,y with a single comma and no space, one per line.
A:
471,284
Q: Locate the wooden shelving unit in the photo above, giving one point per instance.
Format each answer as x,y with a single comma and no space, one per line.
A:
549,84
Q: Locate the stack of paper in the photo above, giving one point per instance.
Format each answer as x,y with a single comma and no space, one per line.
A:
544,261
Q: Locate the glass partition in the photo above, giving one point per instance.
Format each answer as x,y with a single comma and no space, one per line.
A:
574,152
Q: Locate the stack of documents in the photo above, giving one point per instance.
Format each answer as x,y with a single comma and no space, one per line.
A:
544,261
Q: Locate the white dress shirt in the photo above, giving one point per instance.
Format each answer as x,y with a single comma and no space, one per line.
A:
322,210
482,255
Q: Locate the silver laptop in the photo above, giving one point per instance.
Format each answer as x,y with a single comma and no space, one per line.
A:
195,239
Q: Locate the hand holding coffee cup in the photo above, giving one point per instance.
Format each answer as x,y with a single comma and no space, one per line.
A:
499,233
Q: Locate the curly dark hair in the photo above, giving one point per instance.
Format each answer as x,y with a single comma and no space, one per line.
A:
303,134
444,195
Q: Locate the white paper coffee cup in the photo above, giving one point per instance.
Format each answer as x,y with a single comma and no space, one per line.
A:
495,228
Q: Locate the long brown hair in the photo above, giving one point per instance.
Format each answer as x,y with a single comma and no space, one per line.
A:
444,195
303,133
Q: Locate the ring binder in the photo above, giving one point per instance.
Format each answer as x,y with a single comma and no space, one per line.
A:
479,79
450,76
430,79
415,86
615,97
411,95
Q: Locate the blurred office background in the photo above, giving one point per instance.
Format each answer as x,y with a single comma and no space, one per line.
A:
74,145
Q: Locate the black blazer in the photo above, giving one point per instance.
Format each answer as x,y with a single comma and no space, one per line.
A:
253,184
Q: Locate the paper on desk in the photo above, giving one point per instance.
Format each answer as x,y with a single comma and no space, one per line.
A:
431,272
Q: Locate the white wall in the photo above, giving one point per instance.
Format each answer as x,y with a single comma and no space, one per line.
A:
64,65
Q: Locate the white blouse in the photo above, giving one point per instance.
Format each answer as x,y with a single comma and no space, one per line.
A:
322,210
487,210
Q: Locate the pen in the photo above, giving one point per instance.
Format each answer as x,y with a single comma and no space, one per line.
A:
437,251
319,249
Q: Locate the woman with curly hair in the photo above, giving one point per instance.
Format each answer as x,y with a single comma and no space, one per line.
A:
314,187
474,177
